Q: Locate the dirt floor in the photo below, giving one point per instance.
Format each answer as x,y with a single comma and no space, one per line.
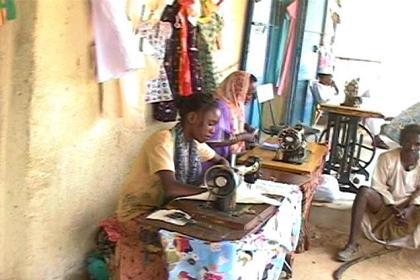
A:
329,234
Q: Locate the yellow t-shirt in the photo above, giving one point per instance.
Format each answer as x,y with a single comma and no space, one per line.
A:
143,189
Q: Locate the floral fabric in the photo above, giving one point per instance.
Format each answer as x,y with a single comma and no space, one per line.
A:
256,256
156,35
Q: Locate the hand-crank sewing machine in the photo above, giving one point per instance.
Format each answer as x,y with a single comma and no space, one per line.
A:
220,211
292,145
223,182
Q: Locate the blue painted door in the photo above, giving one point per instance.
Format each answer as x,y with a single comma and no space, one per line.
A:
301,103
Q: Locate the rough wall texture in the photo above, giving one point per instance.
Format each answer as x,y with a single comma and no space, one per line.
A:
16,85
62,164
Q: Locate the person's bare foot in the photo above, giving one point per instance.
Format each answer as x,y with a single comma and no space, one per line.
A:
379,143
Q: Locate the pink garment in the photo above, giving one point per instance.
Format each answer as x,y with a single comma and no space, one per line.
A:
285,76
115,44
233,91
113,229
326,59
132,261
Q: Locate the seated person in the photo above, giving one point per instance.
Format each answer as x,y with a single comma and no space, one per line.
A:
168,166
324,88
374,126
231,132
394,193
326,91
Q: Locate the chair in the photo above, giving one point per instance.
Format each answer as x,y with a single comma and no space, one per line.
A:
313,89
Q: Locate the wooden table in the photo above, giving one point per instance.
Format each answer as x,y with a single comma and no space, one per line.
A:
213,225
305,175
308,167
257,231
346,144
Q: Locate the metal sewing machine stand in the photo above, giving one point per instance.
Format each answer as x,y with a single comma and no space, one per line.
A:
347,139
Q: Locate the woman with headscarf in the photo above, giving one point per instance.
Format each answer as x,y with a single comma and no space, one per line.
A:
232,131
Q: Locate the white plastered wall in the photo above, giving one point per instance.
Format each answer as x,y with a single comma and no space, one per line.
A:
61,163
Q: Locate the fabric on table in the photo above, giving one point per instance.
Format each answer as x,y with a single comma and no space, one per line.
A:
256,256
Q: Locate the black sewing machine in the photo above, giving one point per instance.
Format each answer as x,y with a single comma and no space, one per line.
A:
223,181
221,213
292,145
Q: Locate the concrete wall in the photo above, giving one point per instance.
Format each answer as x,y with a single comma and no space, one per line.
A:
62,164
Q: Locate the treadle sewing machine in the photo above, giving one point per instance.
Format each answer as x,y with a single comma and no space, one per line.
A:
220,217
350,141
292,145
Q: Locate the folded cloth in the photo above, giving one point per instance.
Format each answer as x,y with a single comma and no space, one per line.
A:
255,194
173,216
269,146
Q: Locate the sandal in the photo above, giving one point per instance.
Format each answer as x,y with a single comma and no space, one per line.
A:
347,254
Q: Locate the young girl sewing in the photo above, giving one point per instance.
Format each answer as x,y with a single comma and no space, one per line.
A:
168,166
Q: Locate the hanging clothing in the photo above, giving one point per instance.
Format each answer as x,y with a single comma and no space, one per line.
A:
326,60
115,44
286,73
156,35
176,58
209,29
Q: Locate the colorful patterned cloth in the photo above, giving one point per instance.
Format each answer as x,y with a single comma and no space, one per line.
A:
256,256
158,89
408,116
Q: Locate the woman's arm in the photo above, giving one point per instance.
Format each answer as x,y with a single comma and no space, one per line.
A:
245,136
173,188
218,159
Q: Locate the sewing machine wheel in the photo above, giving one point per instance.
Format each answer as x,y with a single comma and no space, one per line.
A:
220,181
364,151
290,139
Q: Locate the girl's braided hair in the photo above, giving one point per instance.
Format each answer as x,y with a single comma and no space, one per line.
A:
198,102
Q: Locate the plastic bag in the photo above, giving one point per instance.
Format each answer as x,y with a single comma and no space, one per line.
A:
328,189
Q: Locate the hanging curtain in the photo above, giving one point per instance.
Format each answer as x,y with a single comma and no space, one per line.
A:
286,73
277,43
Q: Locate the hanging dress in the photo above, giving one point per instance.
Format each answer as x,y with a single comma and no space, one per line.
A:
156,35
